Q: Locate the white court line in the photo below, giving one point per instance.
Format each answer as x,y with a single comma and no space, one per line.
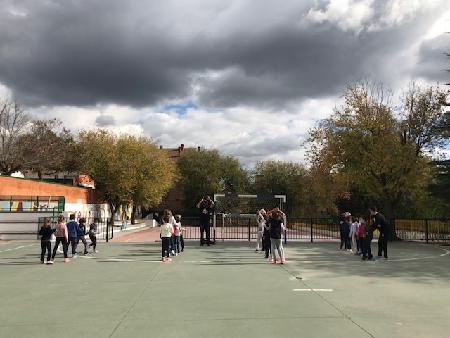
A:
314,290
16,248
121,259
446,252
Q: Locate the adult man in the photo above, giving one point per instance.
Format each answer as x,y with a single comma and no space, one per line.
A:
205,206
380,223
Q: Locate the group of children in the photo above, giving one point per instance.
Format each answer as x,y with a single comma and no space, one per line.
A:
271,225
71,233
357,234
172,242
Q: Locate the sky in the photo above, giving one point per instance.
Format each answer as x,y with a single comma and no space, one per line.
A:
248,78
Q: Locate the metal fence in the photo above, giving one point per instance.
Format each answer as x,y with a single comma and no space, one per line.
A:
426,230
320,229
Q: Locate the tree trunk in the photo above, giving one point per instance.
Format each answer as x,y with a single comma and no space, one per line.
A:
133,214
113,212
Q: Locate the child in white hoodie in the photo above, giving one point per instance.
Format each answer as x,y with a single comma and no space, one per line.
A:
166,237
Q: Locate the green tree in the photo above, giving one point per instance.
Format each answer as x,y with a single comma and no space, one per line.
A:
361,145
285,178
45,147
13,124
101,160
152,174
425,122
207,172
125,169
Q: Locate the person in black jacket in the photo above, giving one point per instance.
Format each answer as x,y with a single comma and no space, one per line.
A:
276,228
380,223
81,233
46,232
205,207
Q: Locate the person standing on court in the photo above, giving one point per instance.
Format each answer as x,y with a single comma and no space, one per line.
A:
380,223
72,230
206,207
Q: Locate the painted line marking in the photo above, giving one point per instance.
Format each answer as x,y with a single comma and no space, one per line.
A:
16,248
314,290
447,252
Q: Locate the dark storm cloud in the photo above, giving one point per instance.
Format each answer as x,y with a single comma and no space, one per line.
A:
139,53
433,62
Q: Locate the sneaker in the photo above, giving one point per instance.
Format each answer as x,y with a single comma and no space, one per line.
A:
50,262
283,261
75,256
173,252
66,260
169,259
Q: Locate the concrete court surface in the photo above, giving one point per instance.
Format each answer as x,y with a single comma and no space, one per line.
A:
226,290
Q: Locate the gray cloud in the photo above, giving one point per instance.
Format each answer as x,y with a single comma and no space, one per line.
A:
433,63
105,121
224,53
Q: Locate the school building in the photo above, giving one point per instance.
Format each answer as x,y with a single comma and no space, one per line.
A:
23,201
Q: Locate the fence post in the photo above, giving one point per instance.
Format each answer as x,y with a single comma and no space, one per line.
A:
311,226
107,230
249,229
112,230
426,230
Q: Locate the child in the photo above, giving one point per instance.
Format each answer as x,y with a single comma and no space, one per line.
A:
61,237
72,230
166,235
367,239
81,232
276,227
46,245
360,235
353,235
266,237
93,235
177,234
181,232
261,224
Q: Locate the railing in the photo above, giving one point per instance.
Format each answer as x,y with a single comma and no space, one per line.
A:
426,230
313,229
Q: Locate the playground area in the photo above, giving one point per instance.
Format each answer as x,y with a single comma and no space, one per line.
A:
226,290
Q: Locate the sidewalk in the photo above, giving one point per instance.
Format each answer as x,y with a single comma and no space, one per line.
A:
137,234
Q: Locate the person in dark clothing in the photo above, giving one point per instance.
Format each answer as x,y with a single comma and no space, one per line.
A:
46,232
72,231
206,207
276,227
366,241
344,230
380,223
93,234
81,233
